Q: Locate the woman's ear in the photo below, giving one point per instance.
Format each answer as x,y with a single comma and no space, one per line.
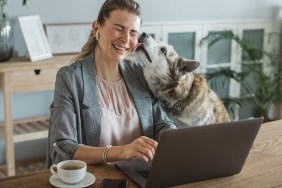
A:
97,35
95,27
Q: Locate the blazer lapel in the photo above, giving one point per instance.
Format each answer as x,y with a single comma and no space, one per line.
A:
91,113
142,99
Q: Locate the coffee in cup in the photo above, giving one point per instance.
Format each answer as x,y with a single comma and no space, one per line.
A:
70,171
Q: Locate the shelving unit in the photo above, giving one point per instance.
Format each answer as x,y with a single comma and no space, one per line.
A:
18,76
31,129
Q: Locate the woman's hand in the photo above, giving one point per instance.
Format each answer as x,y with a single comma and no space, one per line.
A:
141,148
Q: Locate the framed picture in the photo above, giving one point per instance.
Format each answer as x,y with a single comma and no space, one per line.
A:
67,38
35,38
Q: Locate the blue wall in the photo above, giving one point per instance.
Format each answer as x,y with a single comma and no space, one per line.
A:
73,11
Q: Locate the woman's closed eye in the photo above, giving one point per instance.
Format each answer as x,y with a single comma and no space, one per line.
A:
119,29
134,33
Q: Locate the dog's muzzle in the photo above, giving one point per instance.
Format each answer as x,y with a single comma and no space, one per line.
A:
142,41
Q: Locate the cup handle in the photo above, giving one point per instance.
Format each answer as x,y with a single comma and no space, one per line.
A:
53,169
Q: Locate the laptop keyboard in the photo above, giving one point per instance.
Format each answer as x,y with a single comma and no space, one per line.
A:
144,173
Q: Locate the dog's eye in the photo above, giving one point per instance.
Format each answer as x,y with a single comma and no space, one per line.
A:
164,51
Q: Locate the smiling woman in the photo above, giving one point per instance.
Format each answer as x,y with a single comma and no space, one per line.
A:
117,37
103,110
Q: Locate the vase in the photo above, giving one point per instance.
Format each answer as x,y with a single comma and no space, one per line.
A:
6,39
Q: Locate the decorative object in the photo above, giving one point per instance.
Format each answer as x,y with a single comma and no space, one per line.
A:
35,38
6,33
6,40
67,38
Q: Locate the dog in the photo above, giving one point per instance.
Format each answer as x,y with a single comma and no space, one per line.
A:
185,95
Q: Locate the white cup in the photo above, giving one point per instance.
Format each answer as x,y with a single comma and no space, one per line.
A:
70,171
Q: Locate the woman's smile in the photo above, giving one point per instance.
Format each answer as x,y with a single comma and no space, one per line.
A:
118,47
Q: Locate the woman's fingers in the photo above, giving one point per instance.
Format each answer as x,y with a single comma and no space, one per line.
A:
143,148
149,148
146,148
149,141
147,153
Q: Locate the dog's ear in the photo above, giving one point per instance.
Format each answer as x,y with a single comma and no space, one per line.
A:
185,66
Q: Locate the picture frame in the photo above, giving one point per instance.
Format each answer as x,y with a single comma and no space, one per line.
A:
67,38
35,38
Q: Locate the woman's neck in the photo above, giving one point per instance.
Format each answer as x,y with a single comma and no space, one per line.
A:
107,70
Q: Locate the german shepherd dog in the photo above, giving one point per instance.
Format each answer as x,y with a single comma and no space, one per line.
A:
185,95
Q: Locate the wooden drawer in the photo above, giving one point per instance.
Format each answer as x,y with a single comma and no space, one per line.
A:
33,80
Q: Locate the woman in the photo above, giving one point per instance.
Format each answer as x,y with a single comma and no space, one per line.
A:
103,110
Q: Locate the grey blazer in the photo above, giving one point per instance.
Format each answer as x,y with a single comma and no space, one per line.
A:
75,111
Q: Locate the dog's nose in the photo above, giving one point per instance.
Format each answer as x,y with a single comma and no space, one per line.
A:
144,35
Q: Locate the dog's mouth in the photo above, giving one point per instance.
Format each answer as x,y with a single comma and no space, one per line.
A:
142,49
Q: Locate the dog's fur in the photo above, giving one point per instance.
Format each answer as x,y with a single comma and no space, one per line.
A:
185,95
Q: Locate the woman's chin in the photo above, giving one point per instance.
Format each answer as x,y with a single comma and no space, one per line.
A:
122,57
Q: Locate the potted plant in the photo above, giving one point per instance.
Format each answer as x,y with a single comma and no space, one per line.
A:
3,4
259,77
6,33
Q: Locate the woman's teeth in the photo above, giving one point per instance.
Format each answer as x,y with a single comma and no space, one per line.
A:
119,48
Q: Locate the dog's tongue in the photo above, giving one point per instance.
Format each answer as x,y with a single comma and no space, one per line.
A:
139,44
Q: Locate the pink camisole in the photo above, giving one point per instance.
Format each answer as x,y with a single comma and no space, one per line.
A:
119,119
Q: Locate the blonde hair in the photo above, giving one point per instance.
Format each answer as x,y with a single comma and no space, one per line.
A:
110,5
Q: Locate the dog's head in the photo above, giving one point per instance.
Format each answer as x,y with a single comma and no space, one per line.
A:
162,59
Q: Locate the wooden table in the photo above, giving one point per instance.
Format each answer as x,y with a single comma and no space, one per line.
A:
263,167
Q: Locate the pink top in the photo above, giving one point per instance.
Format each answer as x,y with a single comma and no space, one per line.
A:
119,122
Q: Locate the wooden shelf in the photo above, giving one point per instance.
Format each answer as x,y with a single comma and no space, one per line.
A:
30,129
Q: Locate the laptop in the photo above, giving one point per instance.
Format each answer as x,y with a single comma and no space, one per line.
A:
194,154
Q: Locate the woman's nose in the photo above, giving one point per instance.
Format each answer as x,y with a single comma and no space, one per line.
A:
125,37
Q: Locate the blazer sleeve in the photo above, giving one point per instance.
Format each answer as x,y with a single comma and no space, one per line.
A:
63,124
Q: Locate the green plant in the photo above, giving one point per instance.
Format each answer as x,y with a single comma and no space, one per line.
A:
3,4
261,65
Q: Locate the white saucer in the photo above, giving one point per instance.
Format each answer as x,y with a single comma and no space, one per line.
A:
87,180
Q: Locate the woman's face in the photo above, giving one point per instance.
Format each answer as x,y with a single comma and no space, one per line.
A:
118,36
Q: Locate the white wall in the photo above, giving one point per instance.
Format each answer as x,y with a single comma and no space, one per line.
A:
73,11
156,10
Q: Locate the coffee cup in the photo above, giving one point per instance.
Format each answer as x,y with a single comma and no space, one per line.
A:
70,171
